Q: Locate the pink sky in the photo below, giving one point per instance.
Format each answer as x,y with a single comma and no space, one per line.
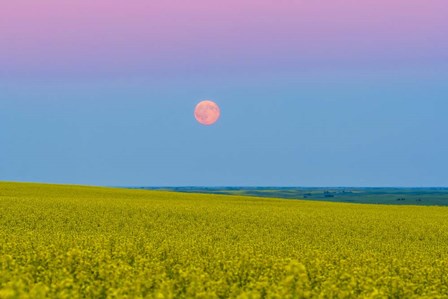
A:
109,36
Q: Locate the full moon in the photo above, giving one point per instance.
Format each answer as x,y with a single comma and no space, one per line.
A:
207,112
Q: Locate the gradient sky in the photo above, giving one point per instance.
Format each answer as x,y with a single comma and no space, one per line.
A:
312,93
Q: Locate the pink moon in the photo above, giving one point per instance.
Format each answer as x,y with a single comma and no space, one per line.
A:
207,112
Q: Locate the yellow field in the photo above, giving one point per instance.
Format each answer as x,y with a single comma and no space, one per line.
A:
84,242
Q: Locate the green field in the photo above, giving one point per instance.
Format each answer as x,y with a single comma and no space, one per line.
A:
435,196
88,242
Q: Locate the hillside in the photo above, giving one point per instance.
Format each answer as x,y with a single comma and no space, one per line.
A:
77,242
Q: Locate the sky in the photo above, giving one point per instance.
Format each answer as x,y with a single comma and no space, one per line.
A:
312,93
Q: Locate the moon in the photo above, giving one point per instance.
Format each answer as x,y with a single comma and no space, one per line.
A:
207,112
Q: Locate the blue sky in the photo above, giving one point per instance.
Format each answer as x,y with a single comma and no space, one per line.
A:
312,94
323,129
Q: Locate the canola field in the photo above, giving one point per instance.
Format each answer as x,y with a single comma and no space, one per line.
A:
87,242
